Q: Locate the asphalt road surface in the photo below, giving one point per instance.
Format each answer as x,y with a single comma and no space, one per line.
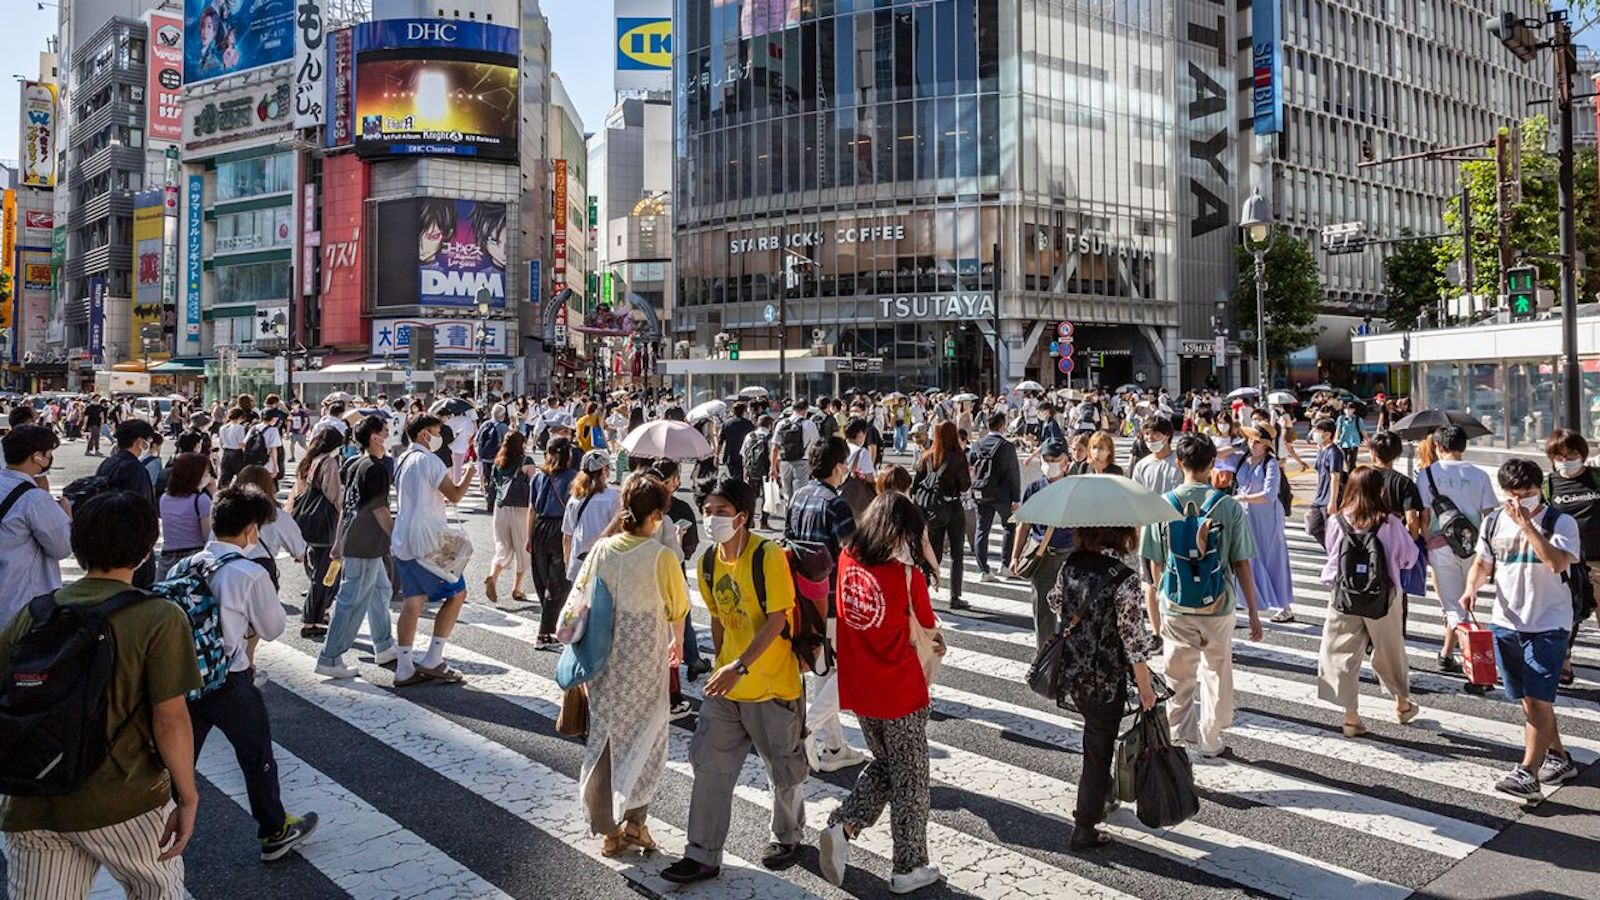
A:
446,791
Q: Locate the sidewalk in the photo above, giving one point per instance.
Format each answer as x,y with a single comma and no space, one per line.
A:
1552,851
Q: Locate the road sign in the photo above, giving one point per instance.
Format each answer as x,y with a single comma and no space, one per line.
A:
1219,353
770,314
1055,348
1064,330
1065,365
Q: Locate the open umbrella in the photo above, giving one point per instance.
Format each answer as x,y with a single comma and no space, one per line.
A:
339,397
707,410
451,406
1032,387
1236,393
1421,423
1283,398
1317,388
965,398
665,439
374,411
894,395
753,392
1096,501
1131,389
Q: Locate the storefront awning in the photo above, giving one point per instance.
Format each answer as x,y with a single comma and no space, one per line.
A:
132,365
179,367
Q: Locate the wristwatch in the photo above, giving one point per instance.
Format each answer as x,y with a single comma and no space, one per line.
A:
740,667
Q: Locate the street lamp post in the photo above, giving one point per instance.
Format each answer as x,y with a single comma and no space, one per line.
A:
1256,223
483,342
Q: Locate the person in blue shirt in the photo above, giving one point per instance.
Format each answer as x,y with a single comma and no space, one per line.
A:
1331,469
1349,437
549,490
1053,542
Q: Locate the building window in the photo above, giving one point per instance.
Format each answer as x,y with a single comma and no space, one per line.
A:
256,177
260,229
253,283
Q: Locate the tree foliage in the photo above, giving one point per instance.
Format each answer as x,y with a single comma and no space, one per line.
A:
1412,278
1534,226
1294,295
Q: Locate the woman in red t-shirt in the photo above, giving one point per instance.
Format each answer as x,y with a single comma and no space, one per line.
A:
881,680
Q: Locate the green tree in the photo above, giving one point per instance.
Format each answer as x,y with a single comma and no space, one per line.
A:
1294,296
1533,229
1412,278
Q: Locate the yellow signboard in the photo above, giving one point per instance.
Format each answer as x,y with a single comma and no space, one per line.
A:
8,259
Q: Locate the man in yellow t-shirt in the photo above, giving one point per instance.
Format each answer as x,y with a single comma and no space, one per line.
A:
586,426
753,697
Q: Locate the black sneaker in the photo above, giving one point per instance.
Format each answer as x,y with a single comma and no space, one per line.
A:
294,833
696,669
1478,689
1450,664
779,856
687,871
958,603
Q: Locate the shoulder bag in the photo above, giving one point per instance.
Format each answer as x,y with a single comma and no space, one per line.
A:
1034,552
926,641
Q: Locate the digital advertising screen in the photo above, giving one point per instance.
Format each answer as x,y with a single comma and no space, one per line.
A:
221,37
434,251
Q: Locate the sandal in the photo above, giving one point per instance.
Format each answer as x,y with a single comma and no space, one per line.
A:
1283,618
1567,677
519,597
491,590
640,838
615,845
1353,731
416,678
442,672
1407,715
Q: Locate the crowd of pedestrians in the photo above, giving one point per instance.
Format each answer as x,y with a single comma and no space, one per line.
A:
835,612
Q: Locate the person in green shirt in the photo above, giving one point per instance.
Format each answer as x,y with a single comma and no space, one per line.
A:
135,813
1188,636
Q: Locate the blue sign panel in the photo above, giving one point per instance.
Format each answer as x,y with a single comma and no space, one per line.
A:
195,216
534,269
1266,65
97,318
391,34
644,45
221,37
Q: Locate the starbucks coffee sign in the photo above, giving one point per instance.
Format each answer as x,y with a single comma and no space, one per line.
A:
937,307
853,233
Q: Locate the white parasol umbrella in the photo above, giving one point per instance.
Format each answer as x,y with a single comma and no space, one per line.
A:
894,395
1236,393
1033,387
665,439
707,410
965,398
1096,501
1282,398
339,397
753,391
1320,388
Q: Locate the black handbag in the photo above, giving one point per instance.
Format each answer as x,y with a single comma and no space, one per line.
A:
315,515
1165,792
1044,676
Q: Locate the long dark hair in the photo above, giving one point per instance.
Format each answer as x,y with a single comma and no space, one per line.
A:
891,520
511,450
329,440
946,440
557,456
1363,505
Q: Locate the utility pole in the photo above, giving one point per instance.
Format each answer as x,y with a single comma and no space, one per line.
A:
1566,67
1468,270
1502,201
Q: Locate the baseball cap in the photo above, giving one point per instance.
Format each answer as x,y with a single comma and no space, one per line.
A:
596,460
1052,448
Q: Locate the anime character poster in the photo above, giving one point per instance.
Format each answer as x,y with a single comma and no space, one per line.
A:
221,37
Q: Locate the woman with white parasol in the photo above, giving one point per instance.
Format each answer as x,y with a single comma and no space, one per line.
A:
1099,606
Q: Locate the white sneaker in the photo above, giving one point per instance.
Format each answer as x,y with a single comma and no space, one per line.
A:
832,760
336,670
388,656
833,851
916,879
812,759
260,678
987,577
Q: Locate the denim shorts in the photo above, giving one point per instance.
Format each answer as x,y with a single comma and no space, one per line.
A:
1530,662
416,580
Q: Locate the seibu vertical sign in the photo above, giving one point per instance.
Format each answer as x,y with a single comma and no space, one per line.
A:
164,65
1266,65
558,271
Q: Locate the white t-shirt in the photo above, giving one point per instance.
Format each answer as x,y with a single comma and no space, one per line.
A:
1463,483
334,422
231,436
271,436
861,461
460,433
418,501
1528,596
1159,475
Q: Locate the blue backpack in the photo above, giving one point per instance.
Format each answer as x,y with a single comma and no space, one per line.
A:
189,586
585,658
1195,580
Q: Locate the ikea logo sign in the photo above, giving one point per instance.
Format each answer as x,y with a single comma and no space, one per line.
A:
644,45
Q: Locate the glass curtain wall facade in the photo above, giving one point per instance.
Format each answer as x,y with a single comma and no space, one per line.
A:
910,173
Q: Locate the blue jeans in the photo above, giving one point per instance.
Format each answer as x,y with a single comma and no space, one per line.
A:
899,438
364,588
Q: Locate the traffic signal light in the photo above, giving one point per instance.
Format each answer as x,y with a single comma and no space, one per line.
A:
733,349
1514,32
1522,292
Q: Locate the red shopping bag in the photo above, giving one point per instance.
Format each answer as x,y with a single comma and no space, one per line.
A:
1477,654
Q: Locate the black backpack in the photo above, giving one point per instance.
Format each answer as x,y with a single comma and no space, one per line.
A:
255,447
827,424
791,437
53,704
1454,525
983,466
1362,586
1576,577
757,454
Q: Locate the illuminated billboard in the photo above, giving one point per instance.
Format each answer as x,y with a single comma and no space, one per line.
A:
439,252
221,37
434,87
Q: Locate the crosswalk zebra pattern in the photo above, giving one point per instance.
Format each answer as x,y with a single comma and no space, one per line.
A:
468,791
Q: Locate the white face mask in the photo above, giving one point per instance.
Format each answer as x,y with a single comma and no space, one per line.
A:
1530,503
434,443
1157,446
1569,468
721,528
1052,470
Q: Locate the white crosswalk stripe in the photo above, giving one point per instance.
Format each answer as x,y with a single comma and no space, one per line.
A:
1300,812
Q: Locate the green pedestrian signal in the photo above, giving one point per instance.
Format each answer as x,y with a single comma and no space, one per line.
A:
1522,292
949,347
733,349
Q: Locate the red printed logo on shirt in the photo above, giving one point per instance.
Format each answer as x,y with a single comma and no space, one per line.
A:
861,603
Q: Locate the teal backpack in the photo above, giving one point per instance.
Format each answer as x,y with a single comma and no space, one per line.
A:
1195,580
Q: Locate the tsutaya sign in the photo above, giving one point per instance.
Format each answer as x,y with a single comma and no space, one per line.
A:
844,234
937,306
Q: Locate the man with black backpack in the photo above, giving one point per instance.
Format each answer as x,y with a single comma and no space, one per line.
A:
1460,495
997,483
791,441
486,442
124,795
35,528
731,442
124,471
1200,565
756,452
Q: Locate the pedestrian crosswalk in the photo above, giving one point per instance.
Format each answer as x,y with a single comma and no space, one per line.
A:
468,792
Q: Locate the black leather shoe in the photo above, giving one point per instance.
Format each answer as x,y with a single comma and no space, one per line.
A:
686,870
779,856
1089,838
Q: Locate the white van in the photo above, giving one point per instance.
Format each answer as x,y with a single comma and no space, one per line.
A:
152,409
